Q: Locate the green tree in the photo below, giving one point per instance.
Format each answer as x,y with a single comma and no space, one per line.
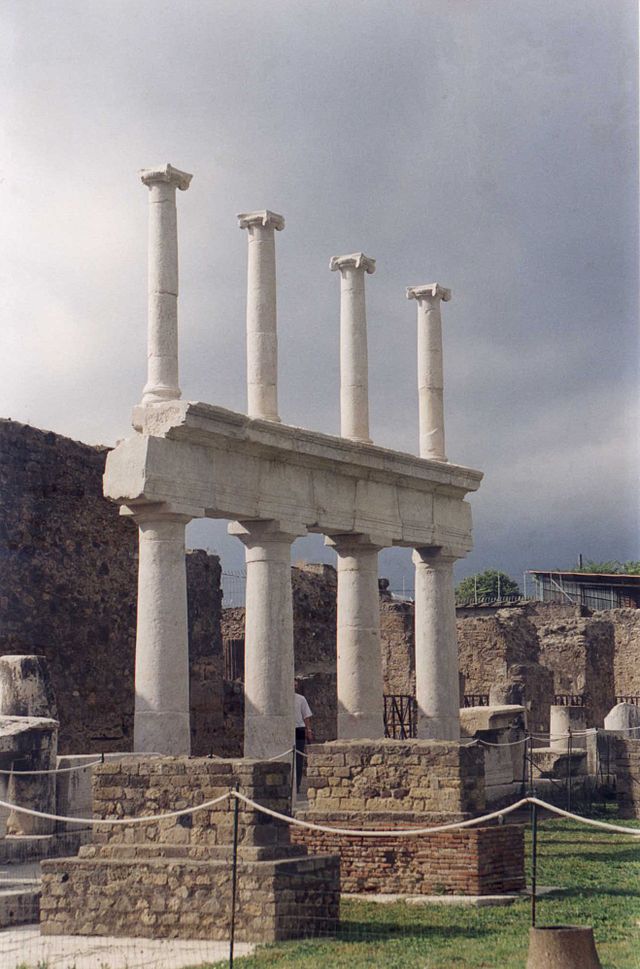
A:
490,584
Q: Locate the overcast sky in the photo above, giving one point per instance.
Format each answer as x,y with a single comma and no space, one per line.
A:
486,144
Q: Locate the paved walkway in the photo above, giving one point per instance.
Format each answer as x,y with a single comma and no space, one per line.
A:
24,946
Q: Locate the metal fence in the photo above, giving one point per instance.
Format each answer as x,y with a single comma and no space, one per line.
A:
400,716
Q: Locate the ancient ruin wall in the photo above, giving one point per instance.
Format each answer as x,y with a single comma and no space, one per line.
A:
581,654
626,663
68,577
398,646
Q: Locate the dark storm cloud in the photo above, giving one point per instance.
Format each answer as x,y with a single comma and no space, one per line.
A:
489,145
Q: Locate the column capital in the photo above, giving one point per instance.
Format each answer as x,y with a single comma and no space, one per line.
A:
160,511
264,218
266,530
368,541
167,174
355,260
429,291
435,556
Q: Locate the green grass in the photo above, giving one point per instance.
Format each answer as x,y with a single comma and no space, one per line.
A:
601,872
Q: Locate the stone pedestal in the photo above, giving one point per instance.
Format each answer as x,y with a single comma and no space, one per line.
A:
269,727
162,642
359,659
566,721
29,744
172,879
437,684
414,784
562,947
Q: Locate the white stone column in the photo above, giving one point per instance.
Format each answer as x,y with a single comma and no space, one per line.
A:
354,368
269,727
430,374
162,641
162,335
359,669
437,685
262,337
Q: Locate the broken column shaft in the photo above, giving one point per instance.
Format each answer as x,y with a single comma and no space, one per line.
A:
430,371
354,369
162,339
262,337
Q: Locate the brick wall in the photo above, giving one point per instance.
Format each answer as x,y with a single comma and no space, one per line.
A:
68,579
398,646
475,861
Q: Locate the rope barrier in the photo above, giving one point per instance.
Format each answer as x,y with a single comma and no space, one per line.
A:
146,819
67,770
354,832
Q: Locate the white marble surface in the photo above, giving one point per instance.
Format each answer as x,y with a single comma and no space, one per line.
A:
354,366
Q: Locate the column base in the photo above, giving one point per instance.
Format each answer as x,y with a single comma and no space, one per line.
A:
166,733
438,728
360,727
267,736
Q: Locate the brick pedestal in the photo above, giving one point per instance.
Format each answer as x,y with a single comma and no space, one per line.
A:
172,879
391,784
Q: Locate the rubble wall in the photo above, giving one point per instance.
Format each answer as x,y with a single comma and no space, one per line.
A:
68,582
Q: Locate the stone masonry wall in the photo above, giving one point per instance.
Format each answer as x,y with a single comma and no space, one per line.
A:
173,878
581,654
433,778
68,579
627,755
626,664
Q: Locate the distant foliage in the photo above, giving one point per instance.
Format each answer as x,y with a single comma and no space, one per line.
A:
490,584
609,568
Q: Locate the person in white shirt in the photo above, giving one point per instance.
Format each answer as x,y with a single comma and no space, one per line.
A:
304,730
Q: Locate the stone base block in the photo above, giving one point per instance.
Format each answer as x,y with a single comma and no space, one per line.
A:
164,897
468,861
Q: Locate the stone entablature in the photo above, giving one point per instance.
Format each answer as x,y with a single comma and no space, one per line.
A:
213,462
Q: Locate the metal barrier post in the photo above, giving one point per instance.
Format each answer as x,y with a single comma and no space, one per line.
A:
569,753
524,764
234,876
534,861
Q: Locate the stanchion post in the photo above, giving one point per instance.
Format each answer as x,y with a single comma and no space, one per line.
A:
524,764
569,753
294,780
531,790
234,876
534,861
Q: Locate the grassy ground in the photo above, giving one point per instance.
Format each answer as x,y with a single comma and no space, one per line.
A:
601,872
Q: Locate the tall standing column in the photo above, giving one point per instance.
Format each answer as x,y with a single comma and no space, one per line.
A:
354,369
437,684
269,727
262,337
162,640
430,374
359,670
162,339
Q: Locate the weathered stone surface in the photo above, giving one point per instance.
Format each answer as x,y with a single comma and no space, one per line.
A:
627,754
68,591
172,878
